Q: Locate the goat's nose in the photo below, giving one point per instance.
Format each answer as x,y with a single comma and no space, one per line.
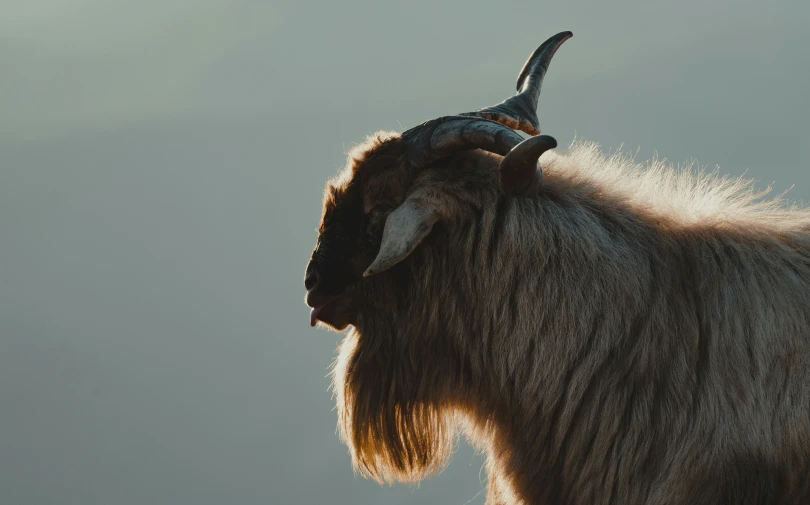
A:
311,280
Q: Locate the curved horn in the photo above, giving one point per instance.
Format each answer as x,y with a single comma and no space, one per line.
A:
520,171
441,137
520,111
492,128
435,139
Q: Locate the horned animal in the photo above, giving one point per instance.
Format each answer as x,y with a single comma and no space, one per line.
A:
604,331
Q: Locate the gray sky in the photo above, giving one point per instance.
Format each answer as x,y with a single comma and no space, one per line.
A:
160,182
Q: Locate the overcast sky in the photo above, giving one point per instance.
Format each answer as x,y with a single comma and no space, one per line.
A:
160,182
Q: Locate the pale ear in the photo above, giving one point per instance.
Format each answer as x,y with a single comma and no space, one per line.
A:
404,229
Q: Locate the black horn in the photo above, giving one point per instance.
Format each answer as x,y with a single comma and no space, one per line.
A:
441,137
520,111
520,172
493,129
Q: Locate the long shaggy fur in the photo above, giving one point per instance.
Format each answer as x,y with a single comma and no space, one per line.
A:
637,334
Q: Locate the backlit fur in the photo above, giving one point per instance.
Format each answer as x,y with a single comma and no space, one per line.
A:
636,334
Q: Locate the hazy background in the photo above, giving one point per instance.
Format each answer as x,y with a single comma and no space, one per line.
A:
161,170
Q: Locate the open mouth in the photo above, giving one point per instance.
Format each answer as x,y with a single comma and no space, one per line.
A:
318,312
330,310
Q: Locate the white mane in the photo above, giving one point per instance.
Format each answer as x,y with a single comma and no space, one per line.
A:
682,193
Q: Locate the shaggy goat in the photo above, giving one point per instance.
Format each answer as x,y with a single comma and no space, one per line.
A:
609,334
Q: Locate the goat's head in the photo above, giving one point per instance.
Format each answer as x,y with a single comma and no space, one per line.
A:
386,200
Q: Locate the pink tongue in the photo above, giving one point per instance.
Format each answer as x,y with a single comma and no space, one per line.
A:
313,316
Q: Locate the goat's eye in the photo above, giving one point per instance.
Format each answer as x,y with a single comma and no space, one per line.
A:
369,224
383,208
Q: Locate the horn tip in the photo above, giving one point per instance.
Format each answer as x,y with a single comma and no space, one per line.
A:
541,57
551,140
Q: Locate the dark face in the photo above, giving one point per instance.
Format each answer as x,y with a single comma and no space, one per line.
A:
354,237
377,214
354,213
348,240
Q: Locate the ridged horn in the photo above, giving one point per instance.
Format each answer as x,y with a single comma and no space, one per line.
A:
520,174
520,111
493,129
441,137
520,171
